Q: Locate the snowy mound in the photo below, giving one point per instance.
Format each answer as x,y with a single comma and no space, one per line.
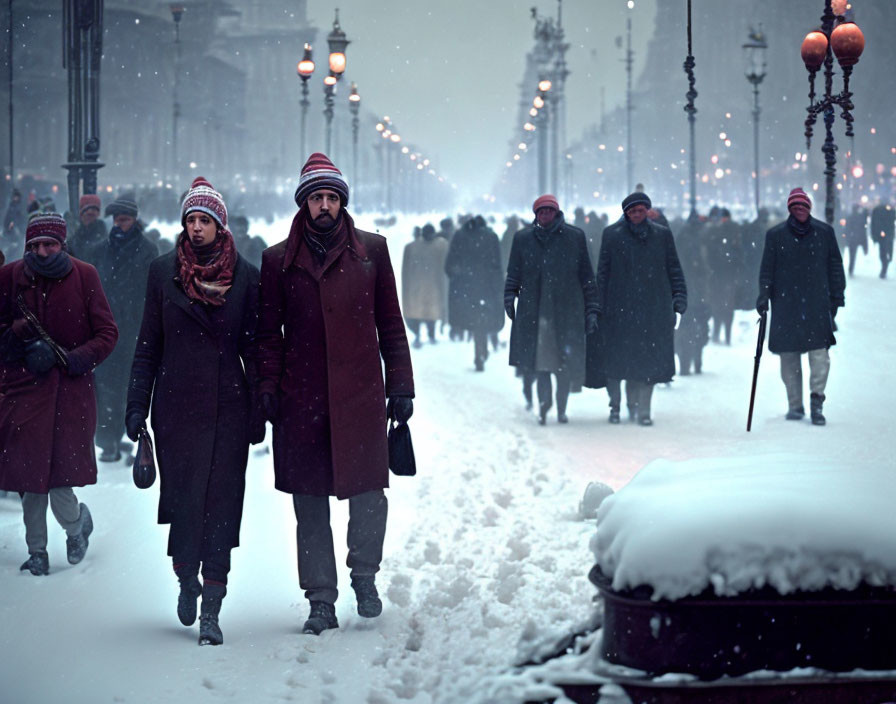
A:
734,524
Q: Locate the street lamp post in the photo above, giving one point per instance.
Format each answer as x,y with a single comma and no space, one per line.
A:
354,104
691,110
843,39
304,69
336,43
83,32
629,61
544,87
754,54
177,13
9,47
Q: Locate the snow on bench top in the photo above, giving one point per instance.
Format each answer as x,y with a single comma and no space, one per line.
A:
785,521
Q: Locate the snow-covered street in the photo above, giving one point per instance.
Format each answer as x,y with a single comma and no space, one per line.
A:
484,548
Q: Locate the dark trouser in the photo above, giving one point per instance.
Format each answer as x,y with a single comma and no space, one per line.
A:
314,539
544,391
111,401
214,571
886,255
528,382
66,510
638,395
722,318
853,250
480,345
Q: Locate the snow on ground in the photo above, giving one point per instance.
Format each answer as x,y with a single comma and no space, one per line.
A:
484,552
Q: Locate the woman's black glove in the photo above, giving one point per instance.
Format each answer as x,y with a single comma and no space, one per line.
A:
762,304
509,306
134,422
400,408
679,305
39,357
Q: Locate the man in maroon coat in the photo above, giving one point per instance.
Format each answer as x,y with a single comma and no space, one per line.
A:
55,327
329,323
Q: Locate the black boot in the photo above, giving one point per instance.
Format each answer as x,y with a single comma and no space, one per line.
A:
322,617
614,416
76,545
527,394
190,589
209,630
815,403
37,564
543,413
369,604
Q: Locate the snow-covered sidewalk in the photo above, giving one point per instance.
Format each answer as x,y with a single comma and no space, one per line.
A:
484,547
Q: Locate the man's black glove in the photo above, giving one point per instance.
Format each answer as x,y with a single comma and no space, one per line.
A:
78,363
134,422
509,303
400,408
270,406
591,323
762,304
679,305
39,357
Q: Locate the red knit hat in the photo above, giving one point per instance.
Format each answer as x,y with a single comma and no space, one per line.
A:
798,196
203,197
545,201
88,200
317,173
45,226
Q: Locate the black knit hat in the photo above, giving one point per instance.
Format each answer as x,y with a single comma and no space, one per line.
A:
125,204
636,198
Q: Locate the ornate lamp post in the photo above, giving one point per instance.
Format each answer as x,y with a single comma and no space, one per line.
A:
544,87
304,69
843,39
691,110
354,104
177,13
754,55
336,42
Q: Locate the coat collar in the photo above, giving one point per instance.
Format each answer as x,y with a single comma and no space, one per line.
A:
195,310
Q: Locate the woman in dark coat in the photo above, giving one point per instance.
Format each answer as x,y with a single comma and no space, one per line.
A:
47,406
195,358
473,266
640,287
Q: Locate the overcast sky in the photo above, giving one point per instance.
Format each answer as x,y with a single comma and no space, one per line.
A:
447,72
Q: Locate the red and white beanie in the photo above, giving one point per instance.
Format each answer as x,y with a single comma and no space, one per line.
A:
798,196
42,226
319,172
203,197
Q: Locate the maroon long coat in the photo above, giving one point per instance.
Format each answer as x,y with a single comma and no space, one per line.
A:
337,321
47,423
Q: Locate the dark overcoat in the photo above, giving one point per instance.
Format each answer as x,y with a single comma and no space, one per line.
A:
552,276
326,334
802,276
192,361
123,268
87,237
473,266
638,277
47,422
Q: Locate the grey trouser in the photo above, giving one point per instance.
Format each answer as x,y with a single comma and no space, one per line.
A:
637,395
792,375
34,511
314,540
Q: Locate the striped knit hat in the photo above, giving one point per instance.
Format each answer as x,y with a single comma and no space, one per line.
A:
125,204
45,226
798,196
203,197
319,173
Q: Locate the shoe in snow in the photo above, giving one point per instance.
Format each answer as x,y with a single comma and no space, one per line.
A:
796,414
76,545
190,589
369,604
815,405
614,416
38,563
646,421
209,629
110,455
322,617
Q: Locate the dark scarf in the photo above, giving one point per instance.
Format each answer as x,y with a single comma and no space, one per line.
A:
800,229
317,242
542,233
55,266
121,239
639,231
206,272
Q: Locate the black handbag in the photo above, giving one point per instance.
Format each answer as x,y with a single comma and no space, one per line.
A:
144,462
401,450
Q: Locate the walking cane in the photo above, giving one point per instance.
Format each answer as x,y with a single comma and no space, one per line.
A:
762,320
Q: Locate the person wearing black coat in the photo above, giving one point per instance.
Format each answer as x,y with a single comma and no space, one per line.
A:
883,217
693,331
801,275
91,228
640,287
194,367
549,271
122,260
856,233
473,266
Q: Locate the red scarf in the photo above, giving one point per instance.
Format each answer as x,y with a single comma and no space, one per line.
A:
209,282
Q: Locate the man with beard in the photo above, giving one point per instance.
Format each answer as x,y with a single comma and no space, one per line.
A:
801,275
640,287
122,260
329,323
